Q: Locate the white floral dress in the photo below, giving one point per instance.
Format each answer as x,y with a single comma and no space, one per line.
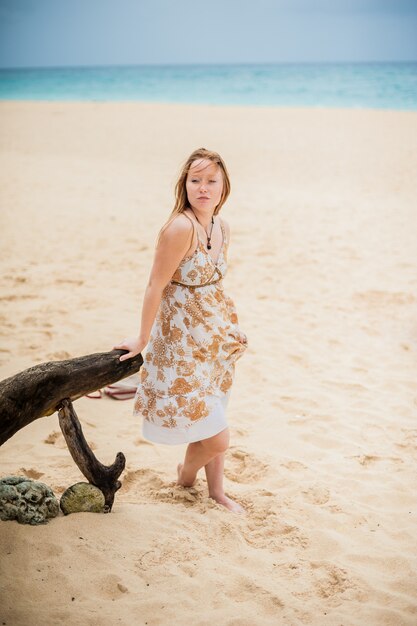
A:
188,367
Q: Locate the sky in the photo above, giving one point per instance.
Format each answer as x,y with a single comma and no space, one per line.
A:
55,33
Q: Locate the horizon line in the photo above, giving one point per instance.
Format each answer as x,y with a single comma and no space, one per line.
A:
204,64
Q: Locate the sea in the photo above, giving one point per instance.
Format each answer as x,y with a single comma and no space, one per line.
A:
347,85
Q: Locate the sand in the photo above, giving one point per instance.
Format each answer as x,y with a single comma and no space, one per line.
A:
322,414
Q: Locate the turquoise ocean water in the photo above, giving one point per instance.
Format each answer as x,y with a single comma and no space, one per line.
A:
351,85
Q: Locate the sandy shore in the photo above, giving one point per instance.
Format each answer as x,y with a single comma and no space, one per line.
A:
323,409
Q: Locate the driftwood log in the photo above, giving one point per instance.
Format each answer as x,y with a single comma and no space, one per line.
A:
102,476
38,391
43,389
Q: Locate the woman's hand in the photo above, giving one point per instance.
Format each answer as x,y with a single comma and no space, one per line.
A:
133,344
242,338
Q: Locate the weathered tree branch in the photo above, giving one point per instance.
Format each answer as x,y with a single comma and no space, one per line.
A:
39,390
102,476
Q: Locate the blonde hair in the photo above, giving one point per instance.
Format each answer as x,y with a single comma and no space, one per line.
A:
181,200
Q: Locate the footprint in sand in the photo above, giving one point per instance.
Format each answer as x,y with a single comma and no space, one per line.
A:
265,528
19,279
316,494
243,467
140,482
168,553
36,321
4,326
13,297
146,484
31,473
370,459
111,587
294,466
142,442
243,589
56,438
375,298
330,580
320,579
52,437
409,441
69,281
60,355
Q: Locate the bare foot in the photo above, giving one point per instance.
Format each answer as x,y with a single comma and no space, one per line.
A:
180,481
230,504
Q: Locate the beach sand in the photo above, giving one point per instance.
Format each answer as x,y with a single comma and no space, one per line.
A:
323,455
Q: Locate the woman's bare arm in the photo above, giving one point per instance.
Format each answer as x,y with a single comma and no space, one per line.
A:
172,247
173,244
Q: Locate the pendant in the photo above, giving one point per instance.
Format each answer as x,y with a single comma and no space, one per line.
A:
209,246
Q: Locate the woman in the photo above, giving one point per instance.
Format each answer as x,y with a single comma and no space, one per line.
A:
191,328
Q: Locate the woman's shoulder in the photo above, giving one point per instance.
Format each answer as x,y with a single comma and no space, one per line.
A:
178,225
175,235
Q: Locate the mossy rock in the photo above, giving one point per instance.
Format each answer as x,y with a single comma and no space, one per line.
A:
27,501
82,498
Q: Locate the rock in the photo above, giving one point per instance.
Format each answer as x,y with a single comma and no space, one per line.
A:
82,497
27,501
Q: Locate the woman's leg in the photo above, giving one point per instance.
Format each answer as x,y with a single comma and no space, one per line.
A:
198,454
210,454
214,468
214,474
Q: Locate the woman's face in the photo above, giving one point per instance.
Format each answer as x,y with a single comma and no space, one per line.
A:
204,185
